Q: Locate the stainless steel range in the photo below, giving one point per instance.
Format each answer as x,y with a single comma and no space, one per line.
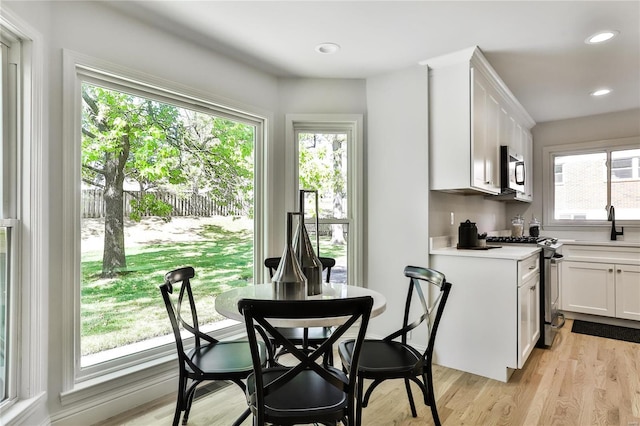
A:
550,317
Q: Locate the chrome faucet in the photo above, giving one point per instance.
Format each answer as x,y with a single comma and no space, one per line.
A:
612,219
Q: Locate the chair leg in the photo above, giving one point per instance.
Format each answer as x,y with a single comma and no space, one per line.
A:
407,385
182,384
372,386
432,395
242,417
423,388
189,401
359,401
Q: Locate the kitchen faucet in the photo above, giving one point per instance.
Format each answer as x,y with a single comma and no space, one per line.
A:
612,219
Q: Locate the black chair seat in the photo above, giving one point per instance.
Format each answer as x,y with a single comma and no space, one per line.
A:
223,359
381,358
325,401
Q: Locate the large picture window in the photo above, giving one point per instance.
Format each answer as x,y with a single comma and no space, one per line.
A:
585,180
162,182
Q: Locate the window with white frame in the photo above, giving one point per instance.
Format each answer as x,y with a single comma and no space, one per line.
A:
584,180
327,152
163,180
23,286
10,57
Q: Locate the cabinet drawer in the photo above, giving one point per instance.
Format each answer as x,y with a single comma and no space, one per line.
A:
527,268
586,253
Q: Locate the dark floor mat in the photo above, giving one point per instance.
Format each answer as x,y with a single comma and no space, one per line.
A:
605,330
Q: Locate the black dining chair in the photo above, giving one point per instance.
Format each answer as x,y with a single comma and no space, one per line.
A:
304,337
200,356
388,358
307,391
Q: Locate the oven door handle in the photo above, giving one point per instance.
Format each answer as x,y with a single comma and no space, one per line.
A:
561,324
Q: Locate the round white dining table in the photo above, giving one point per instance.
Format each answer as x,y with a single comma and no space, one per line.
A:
227,302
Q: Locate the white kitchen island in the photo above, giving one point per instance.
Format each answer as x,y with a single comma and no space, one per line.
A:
491,321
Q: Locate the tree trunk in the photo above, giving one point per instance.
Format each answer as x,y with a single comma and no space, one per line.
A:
113,258
337,234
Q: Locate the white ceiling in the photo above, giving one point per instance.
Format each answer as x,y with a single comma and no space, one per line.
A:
537,47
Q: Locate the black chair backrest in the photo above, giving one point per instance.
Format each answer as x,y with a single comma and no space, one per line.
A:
327,263
182,310
430,314
258,313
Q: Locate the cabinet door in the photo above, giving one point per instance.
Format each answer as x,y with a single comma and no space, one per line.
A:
528,317
588,288
484,141
627,291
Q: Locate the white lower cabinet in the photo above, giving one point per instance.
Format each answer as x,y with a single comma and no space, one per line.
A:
591,286
490,323
588,288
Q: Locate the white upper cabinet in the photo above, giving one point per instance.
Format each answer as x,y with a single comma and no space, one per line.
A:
471,114
485,148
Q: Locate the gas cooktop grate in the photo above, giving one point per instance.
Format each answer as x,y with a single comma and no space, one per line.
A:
515,240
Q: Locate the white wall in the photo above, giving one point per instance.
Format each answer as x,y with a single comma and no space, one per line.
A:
615,125
397,200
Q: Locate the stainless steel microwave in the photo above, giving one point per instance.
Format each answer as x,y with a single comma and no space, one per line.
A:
512,170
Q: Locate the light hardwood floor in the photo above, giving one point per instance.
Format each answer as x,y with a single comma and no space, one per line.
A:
581,380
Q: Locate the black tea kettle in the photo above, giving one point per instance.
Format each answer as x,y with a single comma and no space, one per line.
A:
467,235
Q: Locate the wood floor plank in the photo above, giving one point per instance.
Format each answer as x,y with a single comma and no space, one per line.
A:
582,380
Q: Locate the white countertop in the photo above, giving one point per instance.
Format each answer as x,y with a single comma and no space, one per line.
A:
513,252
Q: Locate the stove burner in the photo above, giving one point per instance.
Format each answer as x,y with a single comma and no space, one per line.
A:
516,240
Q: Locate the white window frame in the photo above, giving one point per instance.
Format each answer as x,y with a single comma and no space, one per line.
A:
30,271
92,381
548,179
352,124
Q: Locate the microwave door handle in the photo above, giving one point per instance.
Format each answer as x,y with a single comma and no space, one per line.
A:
519,172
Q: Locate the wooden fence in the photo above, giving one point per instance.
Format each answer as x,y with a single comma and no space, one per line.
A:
194,205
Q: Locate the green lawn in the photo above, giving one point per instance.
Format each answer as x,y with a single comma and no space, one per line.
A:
129,308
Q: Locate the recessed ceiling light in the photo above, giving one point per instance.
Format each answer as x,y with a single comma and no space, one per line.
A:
601,92
327,48
601,37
